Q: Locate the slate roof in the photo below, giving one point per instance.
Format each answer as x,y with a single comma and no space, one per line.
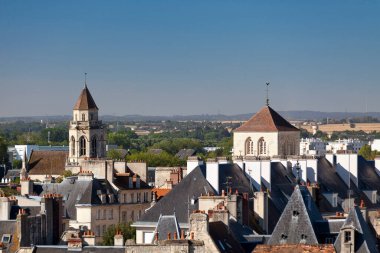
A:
177,200
266,120
47,162
185,153
196,184
76,191
364,239
122,182
223,239
85,101
86,249
9,227
296,222
167,224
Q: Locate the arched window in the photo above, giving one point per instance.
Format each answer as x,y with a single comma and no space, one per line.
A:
72,145
83,117
82,142
262,147
93,146
249,147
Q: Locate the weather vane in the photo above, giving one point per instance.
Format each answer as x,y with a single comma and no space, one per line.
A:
267,83
85,79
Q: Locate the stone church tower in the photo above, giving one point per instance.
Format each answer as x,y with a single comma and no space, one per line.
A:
266,134
87,134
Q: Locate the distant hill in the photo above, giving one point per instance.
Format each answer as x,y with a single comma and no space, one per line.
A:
290,115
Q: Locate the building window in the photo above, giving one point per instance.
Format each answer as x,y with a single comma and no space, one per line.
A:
347,236
262,147
133,215
104,214
82,142
98,230
98,215
110,216
329,240
132,198
295,213
6,238
145,197
138,197
72,145
93,146
104,228
124,216
139,214
83,117
91,116
249,147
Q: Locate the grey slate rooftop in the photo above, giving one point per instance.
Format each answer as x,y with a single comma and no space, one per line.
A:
296,222
364,239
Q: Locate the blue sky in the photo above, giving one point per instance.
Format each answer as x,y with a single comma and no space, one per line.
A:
189,57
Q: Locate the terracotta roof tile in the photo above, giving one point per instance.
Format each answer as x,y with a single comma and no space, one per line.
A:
47,162
266,120
85,101
295,248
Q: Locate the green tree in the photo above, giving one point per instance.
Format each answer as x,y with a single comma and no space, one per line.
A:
126,229
367,153
16,164
67,173
156,160
3,150
115,155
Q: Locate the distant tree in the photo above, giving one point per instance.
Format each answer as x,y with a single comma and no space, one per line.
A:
172,146
67,173
115,155
163,159
367,153
126,229
16,164
3,150
122,138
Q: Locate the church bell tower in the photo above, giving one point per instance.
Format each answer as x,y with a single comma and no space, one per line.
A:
87,134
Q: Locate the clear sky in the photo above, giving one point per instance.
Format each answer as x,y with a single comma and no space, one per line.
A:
189,57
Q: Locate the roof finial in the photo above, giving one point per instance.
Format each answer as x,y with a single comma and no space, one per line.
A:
85,80
267,83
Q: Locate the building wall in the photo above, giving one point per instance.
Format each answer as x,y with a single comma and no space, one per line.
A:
240,139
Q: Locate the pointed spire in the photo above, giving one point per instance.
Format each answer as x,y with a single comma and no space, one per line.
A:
267,101
85,80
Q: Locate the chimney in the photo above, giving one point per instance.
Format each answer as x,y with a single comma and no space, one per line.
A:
363,210
314,192
5,207
26,186
89,238
118,239
260,208
192,163
212,173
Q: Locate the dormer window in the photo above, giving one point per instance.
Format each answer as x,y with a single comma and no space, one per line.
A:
347,236
295,213
83,117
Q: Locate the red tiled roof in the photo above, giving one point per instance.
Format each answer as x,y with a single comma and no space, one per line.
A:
266,120
85,101
47,162
294,248
161,192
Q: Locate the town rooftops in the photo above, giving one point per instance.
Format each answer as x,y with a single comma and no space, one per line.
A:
364,239
296,222
266,120
47,162
85,101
